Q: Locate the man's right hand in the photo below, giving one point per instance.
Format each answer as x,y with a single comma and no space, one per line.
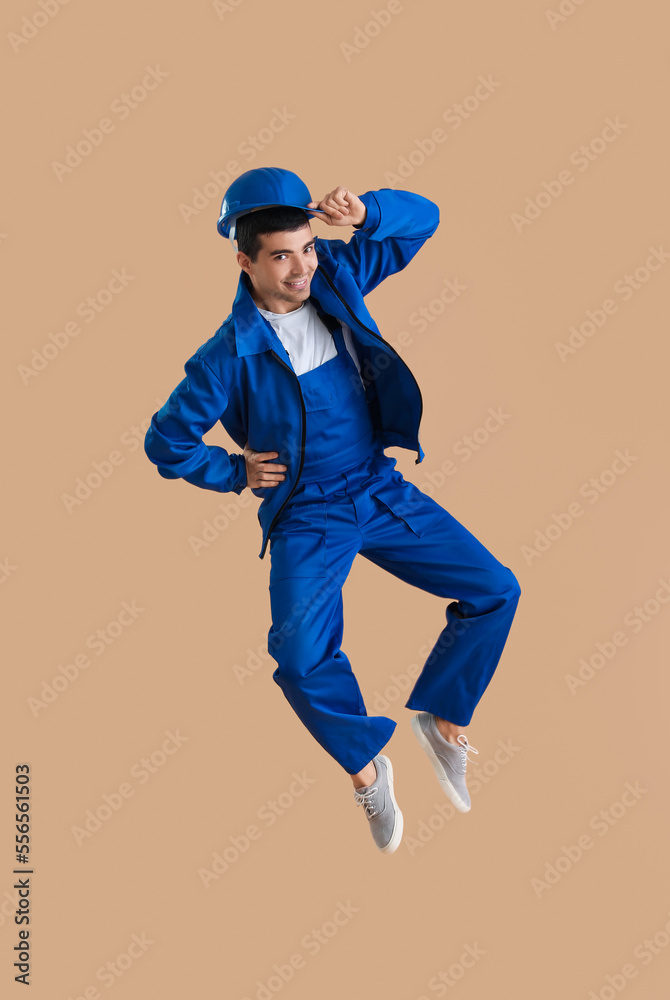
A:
260,472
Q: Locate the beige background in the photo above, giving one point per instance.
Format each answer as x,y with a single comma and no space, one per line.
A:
356,111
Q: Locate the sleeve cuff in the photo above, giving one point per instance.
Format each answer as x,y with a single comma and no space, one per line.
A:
373,216
240,467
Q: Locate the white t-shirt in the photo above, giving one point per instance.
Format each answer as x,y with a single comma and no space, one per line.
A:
307,339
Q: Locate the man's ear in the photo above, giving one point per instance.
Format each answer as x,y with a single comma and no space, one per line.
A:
243,260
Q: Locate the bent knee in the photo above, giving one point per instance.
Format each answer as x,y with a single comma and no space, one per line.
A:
294,653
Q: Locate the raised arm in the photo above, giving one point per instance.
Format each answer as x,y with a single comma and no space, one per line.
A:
396,225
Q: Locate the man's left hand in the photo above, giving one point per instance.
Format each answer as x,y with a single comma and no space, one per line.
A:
340,208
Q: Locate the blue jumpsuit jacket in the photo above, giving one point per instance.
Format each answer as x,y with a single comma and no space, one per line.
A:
238,376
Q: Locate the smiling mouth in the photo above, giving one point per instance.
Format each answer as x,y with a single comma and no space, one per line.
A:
297,284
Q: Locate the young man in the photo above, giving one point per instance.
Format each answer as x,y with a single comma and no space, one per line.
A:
303,382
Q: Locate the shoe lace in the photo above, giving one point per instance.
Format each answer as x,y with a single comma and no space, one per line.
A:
367,800
464,748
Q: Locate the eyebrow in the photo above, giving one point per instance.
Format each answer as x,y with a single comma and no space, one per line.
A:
273,252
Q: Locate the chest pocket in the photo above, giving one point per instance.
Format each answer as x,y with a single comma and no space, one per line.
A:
319,391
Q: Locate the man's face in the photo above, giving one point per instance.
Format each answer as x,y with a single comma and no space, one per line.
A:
282,272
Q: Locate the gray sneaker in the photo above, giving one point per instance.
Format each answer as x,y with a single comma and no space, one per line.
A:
381,807
449,760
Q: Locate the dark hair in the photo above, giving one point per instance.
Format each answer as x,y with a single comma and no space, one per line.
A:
279,218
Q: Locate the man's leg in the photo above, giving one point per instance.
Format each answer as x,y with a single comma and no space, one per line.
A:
410,535
449,730
415,539
365,777
311,554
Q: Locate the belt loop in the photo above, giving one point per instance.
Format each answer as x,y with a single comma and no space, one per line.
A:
349,483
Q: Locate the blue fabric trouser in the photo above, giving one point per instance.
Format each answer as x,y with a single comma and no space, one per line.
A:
372,510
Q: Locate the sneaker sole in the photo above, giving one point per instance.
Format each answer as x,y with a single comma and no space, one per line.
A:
447,786
396,836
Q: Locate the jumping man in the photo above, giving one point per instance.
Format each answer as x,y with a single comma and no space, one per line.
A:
305,384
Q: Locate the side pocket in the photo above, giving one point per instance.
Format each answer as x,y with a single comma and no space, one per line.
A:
298,543
405,501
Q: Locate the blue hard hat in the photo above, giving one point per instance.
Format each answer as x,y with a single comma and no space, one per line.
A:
262,187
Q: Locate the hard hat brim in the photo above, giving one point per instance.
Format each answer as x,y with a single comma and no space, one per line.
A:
223,226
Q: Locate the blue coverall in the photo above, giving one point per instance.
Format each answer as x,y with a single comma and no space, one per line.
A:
342,495
367,507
